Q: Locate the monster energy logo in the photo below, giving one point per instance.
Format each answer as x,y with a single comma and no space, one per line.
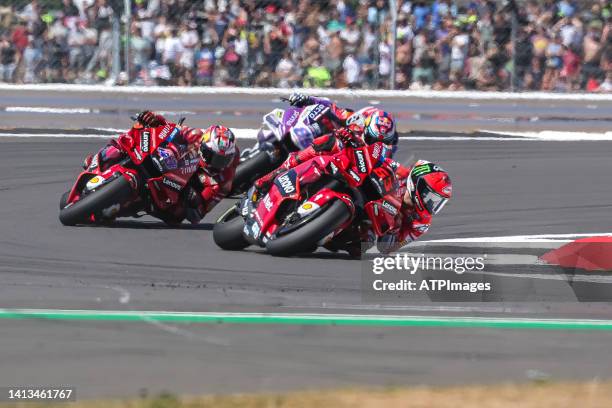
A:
422,169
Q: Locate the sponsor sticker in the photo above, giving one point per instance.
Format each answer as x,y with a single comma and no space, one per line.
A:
172,184
316,112
293,118
376,152
173,134
361,162
333,168
145,141
355,176
286,182
164,131
94,182
307,208
388,207
267,202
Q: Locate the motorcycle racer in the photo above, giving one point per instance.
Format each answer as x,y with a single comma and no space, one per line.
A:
326,116
423,191
217,157
416,193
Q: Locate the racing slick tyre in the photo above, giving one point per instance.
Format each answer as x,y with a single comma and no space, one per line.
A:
115,192
227,232
250,170
307,236
64,200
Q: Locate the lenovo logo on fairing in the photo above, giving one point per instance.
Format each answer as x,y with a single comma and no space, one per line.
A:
172,184
286,184
144,142
361,162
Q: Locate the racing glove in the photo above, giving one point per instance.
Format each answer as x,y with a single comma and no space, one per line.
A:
298,99
150,119
348,138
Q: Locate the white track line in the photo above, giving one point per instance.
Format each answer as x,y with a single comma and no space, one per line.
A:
519,238
381,93
43,109
550,135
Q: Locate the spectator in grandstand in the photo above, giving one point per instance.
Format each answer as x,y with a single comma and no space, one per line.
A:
8,59
441,44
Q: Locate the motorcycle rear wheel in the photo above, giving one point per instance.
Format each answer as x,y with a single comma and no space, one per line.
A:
227,232
115,192
252,169
306,237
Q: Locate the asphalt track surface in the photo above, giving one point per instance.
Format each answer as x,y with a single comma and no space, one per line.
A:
412,113
502,188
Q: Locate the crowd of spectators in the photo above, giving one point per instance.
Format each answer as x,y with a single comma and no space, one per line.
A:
561,45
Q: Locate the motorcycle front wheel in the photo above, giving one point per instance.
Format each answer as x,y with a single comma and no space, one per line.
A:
304,238
227,232
115,192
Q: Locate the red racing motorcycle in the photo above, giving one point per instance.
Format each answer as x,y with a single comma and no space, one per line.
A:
311,205
133,186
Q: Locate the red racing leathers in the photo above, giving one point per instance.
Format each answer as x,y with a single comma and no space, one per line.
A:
207,186
410,222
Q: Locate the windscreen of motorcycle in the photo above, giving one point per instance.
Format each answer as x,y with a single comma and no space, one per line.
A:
273,124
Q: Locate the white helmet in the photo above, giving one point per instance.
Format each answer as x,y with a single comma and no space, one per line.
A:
218,146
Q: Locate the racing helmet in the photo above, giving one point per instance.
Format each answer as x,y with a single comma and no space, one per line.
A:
430,187
218,146
379,126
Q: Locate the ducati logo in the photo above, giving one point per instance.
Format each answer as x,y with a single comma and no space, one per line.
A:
138,155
